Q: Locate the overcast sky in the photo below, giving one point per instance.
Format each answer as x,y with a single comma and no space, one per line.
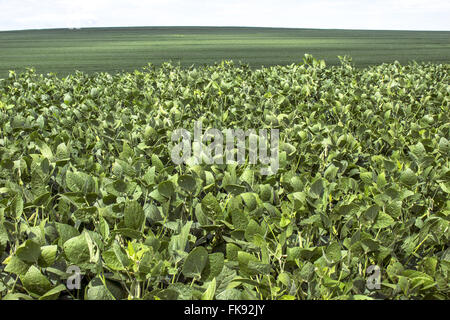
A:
340,14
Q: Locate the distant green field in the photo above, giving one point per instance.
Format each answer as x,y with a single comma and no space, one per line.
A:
125,49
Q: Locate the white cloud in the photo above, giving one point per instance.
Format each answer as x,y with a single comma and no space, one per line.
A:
346,14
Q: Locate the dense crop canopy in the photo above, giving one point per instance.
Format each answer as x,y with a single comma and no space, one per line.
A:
86,179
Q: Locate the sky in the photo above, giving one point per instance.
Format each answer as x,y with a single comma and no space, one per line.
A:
333,14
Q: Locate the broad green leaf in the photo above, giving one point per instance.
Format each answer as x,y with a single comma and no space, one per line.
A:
103,228
134,215
17,296
249,200
366,177
239,219
361,297
53,294
232,251
211,207
48,256
383,221
195,263
112,260
444,145
214,266
187,183
333,252
166,189
29,251
371,213
265,192
252,229
79,182
66,232
234,189
229,294
408,177
317,189
17,266
97,290
256,267
35,282
210,291
16,207
77,250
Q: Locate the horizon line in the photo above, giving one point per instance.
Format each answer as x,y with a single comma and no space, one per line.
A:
241,27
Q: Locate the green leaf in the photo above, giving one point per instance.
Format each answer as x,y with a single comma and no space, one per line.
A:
77,250
366,177
66,232
45,150
48,256
79,182
252,229
244,258
239,219
211,207
103,228
265,192
195,263
134,215
210,291
317,189
234,189
214,266
121,256
3,236
97,290
248,176
150,176
127,232
361,297
300,196
429,265
445,187
371,213
383,221
331,172
444,145
17,296
53,294
29,251
187,183
229,294
232,251
35,282
17,266
333,252
408,177
179,242
250,282
112,261
156,162
86,214
62,152
16,207
249,200
287,297
256,267
166,189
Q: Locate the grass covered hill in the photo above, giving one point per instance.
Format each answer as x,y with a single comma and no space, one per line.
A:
116,49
